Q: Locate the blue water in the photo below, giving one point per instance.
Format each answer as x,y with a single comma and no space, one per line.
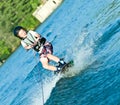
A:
87,31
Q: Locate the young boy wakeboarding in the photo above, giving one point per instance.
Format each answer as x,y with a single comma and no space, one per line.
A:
32,40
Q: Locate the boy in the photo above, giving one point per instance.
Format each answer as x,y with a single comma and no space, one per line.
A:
31,39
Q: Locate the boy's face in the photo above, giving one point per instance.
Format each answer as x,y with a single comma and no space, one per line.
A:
22,33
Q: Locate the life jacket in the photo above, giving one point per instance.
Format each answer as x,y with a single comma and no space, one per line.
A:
31,39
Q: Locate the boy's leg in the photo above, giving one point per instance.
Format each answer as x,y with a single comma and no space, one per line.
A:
46,65
61,62
53,58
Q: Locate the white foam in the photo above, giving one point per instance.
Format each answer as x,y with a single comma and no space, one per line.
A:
48,85
81,53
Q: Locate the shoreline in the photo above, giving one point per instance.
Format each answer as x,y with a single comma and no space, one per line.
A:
46,5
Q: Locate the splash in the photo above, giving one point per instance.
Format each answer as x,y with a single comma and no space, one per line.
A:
48,84
81,53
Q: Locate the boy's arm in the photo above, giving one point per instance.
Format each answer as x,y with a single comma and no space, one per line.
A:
27,47
38,36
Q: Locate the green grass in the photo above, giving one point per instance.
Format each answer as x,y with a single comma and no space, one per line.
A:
14,13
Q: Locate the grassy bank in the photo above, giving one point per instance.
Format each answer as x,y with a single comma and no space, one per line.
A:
13,13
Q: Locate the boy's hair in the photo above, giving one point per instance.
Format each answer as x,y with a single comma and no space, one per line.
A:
17,29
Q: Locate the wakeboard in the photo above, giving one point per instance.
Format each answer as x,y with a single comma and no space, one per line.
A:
66,67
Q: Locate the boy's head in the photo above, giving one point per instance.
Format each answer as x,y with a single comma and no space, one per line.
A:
20,32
